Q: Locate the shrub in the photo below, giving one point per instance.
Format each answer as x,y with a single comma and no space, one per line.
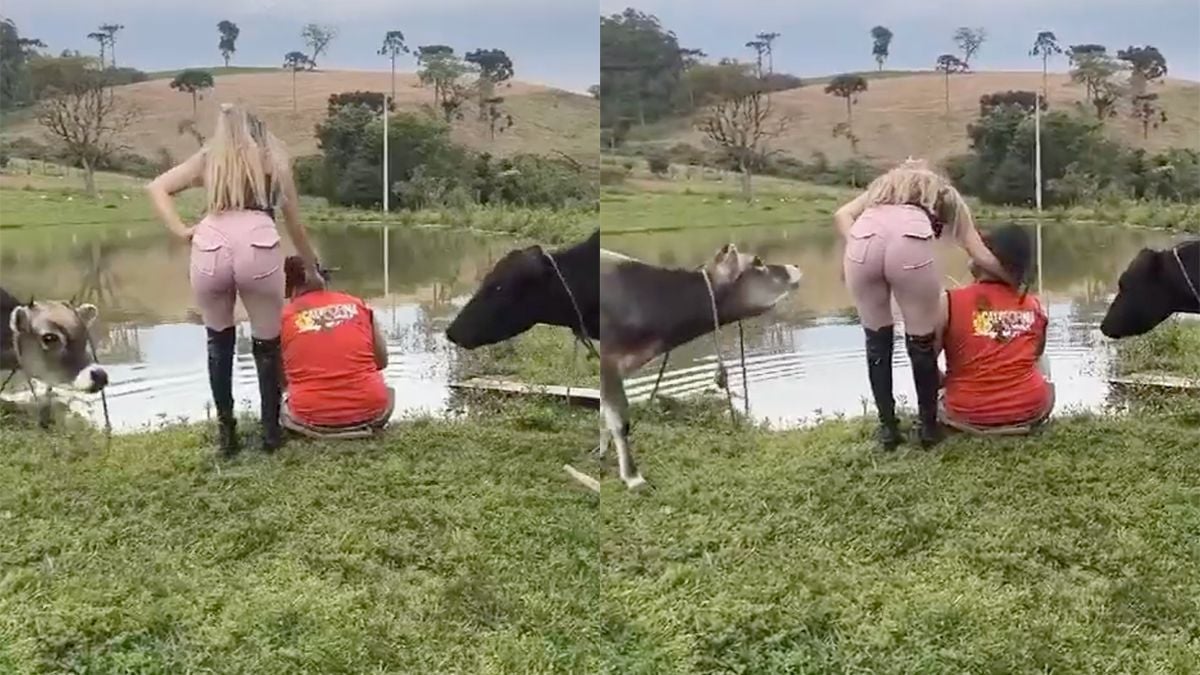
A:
613,175
659,164
310,176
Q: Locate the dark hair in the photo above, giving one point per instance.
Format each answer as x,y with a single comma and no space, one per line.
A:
1013,247
294,275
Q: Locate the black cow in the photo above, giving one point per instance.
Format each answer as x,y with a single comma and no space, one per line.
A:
524,289
1155,285
646,311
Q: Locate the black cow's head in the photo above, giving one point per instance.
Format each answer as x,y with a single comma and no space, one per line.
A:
1150,290
745,286
507,301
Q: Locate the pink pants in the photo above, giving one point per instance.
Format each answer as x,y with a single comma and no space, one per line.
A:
238,253
890,252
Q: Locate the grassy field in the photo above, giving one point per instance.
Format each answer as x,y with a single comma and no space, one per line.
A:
33,195
445,546
1173,348
902,116
545,119
642,202
809,551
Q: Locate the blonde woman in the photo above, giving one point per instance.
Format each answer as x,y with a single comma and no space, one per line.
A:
889,233
236,252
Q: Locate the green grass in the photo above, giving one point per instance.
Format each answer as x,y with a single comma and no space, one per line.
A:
645,203
1172,348
544,355
446,546
33,196
809,551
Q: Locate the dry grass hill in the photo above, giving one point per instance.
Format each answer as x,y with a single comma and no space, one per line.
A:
545,119
905,115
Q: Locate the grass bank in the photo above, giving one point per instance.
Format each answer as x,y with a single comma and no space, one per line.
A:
641,202
544,355
34,196
811,551
445,546
1173,349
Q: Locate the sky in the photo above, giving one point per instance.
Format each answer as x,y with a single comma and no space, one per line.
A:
832,36
554,42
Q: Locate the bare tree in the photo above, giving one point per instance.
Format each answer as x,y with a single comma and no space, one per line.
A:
87,121
317,37
969,40
742,125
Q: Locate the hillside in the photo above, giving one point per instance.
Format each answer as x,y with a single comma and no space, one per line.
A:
545,119
899,116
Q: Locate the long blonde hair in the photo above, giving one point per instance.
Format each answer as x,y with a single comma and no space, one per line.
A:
243,162
914,182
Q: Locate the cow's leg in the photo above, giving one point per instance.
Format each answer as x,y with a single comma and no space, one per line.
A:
616,418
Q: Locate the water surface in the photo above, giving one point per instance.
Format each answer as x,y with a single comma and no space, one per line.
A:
805,360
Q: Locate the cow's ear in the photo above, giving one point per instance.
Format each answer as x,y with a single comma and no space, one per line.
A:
21,320
535,260
87,313
726,265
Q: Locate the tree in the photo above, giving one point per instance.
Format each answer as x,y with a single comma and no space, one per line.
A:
969,41
228,44
494,68
768,42
317,38
946,65
741,126
594,91
1025,100
641,69
371,100
87,120
1046,45
1097,70
498,120
1147,111
15,54
295,62
110,31
102,39
847,86
192,81
760,48
434,64
393,46
1146,65
882,44
189,128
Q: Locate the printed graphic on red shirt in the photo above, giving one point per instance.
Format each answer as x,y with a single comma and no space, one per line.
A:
324,318
1002,326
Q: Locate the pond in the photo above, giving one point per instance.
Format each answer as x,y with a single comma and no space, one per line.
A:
805,360
151,340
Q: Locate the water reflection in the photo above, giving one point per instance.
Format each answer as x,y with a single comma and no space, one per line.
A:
151,341
805,360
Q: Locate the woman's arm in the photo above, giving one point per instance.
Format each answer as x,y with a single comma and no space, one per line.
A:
160,190
845,216
291,220
972,243
380,346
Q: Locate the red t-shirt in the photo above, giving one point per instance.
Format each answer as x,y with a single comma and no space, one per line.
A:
991,342
329,359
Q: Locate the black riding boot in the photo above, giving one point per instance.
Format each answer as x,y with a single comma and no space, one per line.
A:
221,346
925,376
268,361
879,372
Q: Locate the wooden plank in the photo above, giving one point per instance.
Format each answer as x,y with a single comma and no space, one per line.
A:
585,395
587,481
1156,380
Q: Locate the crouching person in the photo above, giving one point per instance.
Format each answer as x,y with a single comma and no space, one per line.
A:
333,353
994,336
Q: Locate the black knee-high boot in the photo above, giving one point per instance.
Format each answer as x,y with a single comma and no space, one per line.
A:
268,362
879,372
925,376
221,346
